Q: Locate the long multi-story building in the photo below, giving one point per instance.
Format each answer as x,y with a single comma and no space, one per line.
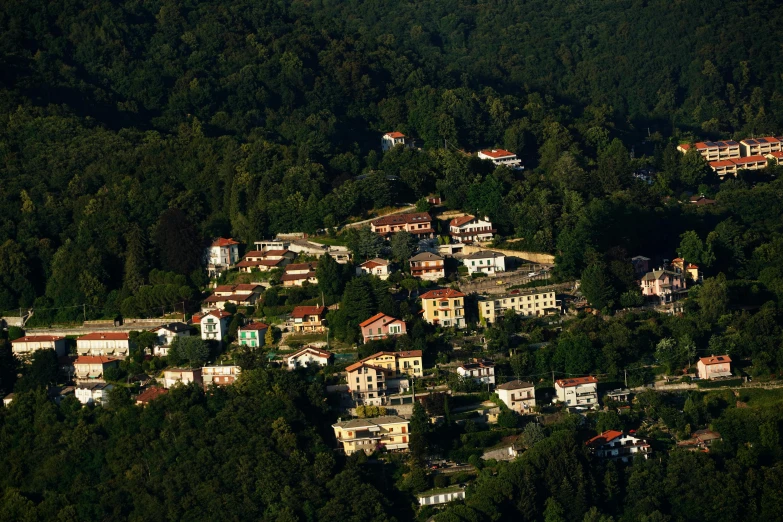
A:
444,307
389,432
528,303
760,146
416,223
714,150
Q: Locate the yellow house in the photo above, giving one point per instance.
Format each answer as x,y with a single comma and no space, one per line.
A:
390,432
445,307
398,363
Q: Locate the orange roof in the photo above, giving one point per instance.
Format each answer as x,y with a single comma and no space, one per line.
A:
407,353
459,221
721,163
603,438
300,266
575,381
777,154
357,365
394,134
108,336
497,153
37,339
220,314
302,311
749,159
685,146
715,359
379,315
221,242
443,293
150,394
255,326
93,359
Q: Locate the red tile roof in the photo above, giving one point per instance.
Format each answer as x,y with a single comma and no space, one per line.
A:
93,359
312,349
715,359
248,287
300,266
399,219
459,221
603,438
220,314
221,242
107,336
394,134
302,311
497,153
405,354
224,288
721,163
150,394
297,277
376,317
575,381
255,326
749,159
37,339
443,293
262,262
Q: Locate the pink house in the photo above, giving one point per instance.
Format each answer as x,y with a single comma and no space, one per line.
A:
714,366
664,284
381,326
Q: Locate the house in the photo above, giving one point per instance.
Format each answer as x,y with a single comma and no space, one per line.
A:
381,326
309,319
219,375
616,445
435,200
300,273
714,367
150,394
109,343
183,375
714,151
93,392
252,334
760,146
435,497
309,356
620,395
166,335
428,266
239,295
529,303
467,229
389,432
666,285
417,223
445,307
577,391
214,325
641,265
367,383
701,200
92,367
25,346
700,440
340,254
265,260
377,267
221,255
501,157
689,269
519,396
485,262
480,370
396,363
392,139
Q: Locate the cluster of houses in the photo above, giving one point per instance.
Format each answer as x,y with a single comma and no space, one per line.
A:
728,157
668,283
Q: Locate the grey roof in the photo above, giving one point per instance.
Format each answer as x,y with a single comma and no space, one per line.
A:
515,385
175,327
367,423
657,274
484,254
426,256
92,386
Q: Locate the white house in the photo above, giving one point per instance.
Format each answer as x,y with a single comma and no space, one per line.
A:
485,262
517,395
166,334
441,496
480,370
221,255
501,157
577,391
93,392
214,325
616,445
183,375
309,356
714,367
25,346
470,228
377,267
108,343
392,139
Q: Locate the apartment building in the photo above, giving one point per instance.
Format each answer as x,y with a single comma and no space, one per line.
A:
389,432
92,367
221,255
397,363
109,343
480,370
184,375
577,391
252,334
470,228
367,383
445,307
93,392
760,146
299,274
265,260
25,346
501,157
416,223
714,150
214,325
428,266
531,303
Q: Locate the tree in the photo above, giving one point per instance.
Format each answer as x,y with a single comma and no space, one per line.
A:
9,366
330,277
596,287
189,349
693,250
532,434
410,284
713,298
42,371
364,243
179,245
420,428
403,245
269,336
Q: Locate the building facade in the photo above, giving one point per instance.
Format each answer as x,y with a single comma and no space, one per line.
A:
530,303
221,255
104,344
220,375
467,229
25,346
377,267
368,435
428,266
166,334
444,307
501,157
382,326
92,367
252,334
392,139
184,375
519,396
485,262
714,367
93,392
309,356
577,391
417,223
666,285
309,319
214,325
480,370
616,445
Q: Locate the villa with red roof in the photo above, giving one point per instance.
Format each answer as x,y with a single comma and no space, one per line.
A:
214,325
467,229
309,356
92,367
501,157
444,307
309,319
113,344
221,255
392,139
252,334
417,223
381,326
616,445
150,394
299,273
714,367
377,267
25,346
577,391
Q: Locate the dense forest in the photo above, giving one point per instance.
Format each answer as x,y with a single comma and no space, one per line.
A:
133,131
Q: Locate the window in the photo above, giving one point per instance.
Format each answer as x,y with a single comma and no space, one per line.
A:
416,362
379,331
357,380
369,378
391,430
435,313
369,387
